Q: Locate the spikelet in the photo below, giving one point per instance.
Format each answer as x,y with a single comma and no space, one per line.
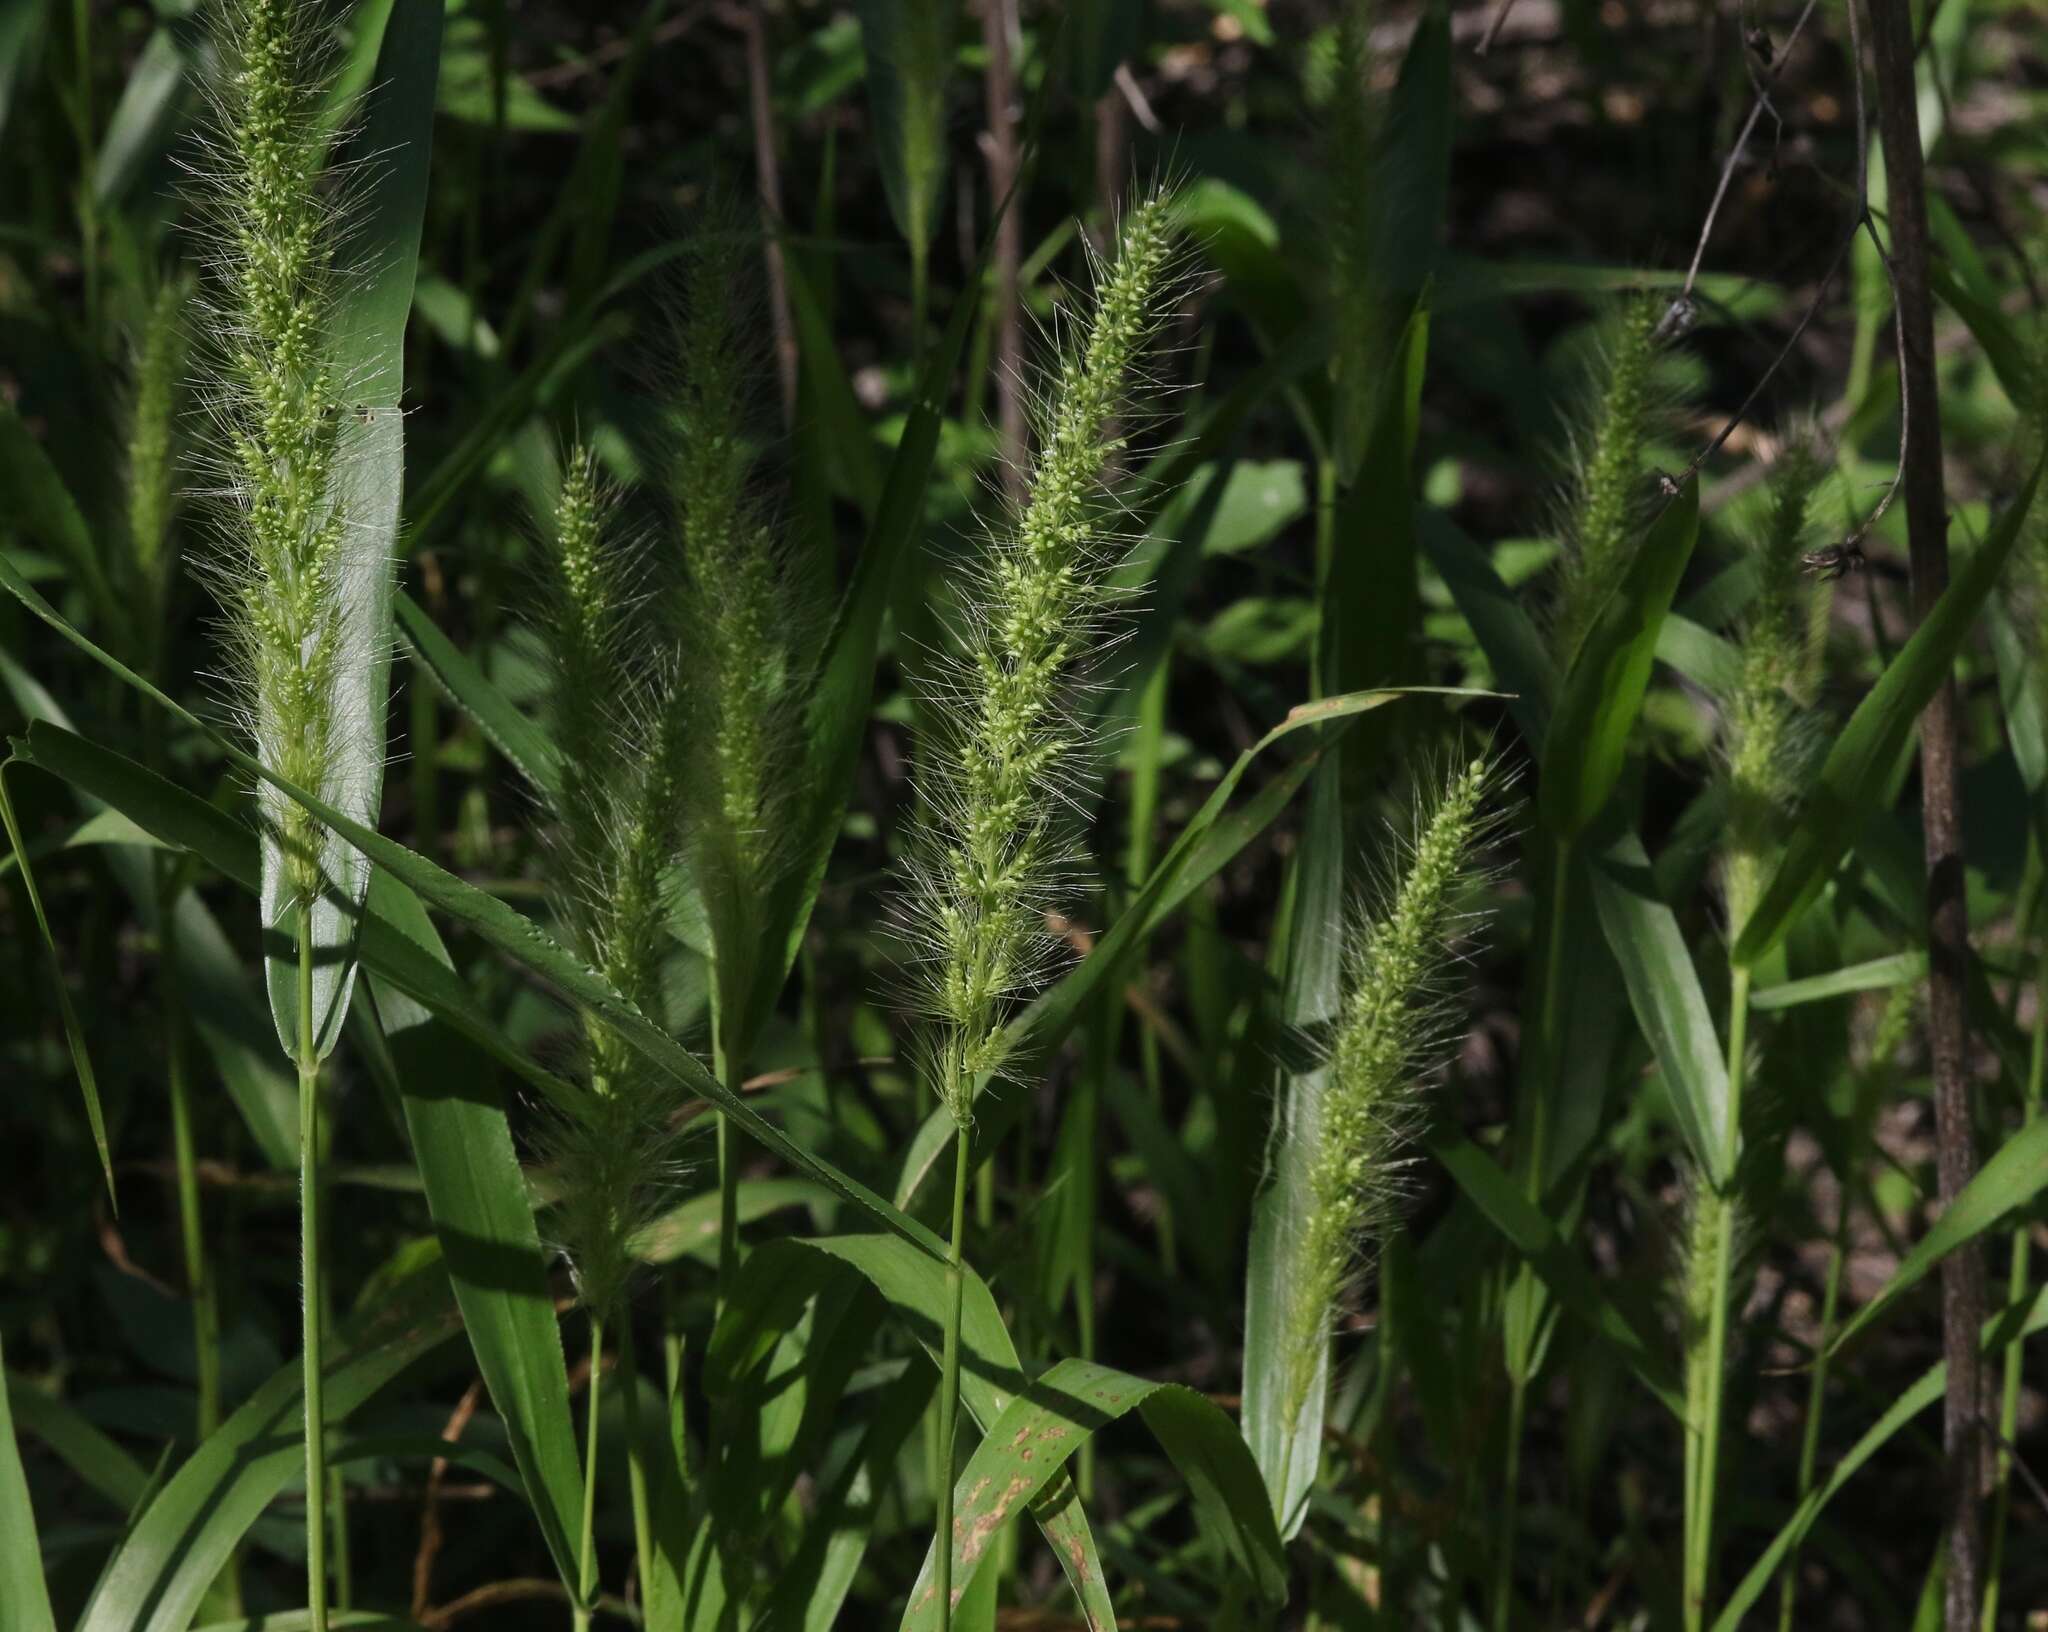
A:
155,459
1766,737
989,862
1391,1028
736,622
277,406
1604,504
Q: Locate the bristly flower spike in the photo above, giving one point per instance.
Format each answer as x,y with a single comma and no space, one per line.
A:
991,854
1764,736
1605,499
279,408
1391,1028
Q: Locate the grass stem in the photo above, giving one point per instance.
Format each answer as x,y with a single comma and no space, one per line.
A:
309,1285
1550,1067
949,1380
636,1453
586,1585
1816,1396
1700,1530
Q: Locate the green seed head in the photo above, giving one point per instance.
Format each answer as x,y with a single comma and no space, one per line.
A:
277,403
155,458
1604,509
737,621
1766,737
1390,1031
990,864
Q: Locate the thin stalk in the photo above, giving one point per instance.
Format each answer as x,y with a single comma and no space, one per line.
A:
184,1156
1551,1024
1504,1561
636,1455
2016,1288
1700,1532
586,1585
728,1166
341,1572
1816,1393
949,1380
309,1285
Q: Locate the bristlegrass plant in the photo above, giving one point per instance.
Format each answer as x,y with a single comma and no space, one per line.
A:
1393,1026
994,853
1765,741
276,406
618,831
1603,513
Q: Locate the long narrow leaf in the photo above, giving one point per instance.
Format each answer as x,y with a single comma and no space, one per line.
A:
24,1598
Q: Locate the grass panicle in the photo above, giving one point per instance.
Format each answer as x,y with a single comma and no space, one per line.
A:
275,213
737,622
1767,735
1605,501
1392,1024
156,455
617,831
992,860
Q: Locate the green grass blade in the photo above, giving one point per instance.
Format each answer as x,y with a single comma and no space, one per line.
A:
188,823
24,1598
1664,991
2008,353
1288,1452
1031,1441
145,122
41,507
509,931
367,344
2011,1179
79,1444
1856,773
1501,1201
162,1570
520,738
810,1590
1878,974
21,32
782,1275
74,1035
909,50
230,1018
1604,691
484,1218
